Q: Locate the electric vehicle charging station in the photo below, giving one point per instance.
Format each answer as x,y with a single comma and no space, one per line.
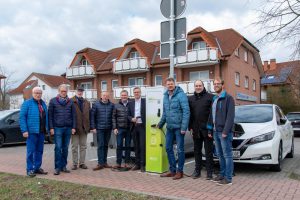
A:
156,156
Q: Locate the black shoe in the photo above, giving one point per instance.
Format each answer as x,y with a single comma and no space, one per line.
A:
41,171
196,174
135,167
74,167
224,182
217,179
209,178
56,172
31,174
143,169
65,170
83,166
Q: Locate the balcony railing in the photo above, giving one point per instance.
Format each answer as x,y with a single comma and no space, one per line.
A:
204,56
126,66
81,71
187,86
88,93
117,91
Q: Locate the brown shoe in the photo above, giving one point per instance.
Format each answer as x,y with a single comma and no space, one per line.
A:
106,165
74,167
167,174
117,166
83,166
178,175
98,167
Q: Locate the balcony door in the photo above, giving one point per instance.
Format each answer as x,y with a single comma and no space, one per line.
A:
199,75
135,81
86,85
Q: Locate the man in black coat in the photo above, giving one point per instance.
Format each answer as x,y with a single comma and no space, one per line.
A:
200,106
137,117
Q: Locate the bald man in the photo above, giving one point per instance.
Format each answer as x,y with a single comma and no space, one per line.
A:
101,124
34,126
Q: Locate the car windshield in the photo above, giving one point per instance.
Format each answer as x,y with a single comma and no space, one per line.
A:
293,116
253,114
5,113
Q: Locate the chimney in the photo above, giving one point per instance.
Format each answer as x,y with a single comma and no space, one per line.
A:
272,64
266,67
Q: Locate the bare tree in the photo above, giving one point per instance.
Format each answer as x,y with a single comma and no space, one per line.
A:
6,86
281,21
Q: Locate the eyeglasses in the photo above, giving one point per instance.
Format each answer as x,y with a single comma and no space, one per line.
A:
217,83
37,93
63,91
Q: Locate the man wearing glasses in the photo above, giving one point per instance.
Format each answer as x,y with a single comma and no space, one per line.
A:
34,126
221,122
62,123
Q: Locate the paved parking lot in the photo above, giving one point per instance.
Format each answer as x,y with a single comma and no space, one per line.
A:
250,182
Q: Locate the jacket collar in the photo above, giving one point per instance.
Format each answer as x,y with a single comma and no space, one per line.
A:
222,96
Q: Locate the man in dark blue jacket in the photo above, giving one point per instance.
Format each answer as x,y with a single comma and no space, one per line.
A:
62,123
34,126
101,123
221,122
176,113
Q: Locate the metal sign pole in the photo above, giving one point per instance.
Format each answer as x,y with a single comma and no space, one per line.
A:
172,39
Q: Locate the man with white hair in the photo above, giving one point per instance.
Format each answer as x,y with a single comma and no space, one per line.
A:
62,122
34,126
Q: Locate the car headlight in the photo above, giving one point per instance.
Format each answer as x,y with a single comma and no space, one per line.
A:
262,138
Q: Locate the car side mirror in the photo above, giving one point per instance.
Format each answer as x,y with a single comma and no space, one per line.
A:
282,121
11,121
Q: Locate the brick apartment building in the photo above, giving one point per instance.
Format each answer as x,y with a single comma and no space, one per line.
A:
224,53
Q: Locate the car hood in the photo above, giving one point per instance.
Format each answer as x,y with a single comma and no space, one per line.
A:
255,129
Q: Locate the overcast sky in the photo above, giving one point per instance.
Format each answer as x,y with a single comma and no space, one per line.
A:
44,35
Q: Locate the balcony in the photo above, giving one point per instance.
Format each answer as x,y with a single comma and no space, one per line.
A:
89,94
131,65
117,91
189,86
199,57
81,71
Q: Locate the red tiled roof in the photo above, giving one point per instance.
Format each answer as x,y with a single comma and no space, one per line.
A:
51,80
95,56
2,76
279,66
107,64
22,86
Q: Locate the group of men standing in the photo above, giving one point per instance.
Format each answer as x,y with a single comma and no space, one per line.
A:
208,117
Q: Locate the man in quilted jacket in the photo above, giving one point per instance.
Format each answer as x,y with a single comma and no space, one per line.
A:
34,126
176,114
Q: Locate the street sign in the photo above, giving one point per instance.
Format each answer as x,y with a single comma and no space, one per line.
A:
179,30
179,50
179,7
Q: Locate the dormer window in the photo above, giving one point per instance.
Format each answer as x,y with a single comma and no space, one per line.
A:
198,45
84,62
134,54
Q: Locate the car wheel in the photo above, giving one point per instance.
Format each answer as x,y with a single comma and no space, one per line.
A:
291,153
2,139
277,167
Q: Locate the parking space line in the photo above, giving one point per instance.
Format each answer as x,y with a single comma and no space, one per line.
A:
96,159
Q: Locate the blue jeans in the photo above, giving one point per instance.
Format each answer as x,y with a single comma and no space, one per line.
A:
35,148
61,139
103,137
171,133
123,134
224,153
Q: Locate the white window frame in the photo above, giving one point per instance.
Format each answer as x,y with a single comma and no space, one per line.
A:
102,85
136,81
112,83
199,75
199,45
84,62
84,85
155,80
134,54
237,78
247,82
246,56
237,51
254,85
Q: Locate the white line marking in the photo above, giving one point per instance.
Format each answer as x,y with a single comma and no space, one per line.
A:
189,162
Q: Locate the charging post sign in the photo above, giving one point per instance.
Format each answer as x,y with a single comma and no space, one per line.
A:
156,156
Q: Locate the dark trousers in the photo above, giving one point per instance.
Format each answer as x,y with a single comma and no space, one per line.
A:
103,137
139,140
62,139
208,146
124,134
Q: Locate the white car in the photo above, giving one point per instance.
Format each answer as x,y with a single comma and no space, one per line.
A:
262,135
